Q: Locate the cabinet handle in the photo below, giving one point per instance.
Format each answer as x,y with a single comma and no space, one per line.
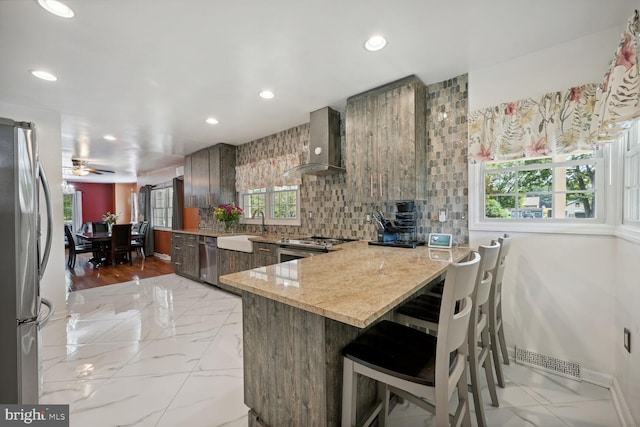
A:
264,250
177,263
371,185
177,247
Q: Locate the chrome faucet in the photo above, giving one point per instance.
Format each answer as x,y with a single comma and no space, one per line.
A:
255,213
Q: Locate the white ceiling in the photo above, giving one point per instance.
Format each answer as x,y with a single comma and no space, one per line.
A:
151,71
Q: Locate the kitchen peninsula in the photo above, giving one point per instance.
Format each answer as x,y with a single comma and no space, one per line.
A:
298,315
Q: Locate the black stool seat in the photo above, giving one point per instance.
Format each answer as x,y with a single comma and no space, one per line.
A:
397,350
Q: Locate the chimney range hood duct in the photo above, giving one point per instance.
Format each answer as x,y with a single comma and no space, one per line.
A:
324,145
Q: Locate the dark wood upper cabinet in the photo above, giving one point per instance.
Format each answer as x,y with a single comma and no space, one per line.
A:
210,176
386,143
222,174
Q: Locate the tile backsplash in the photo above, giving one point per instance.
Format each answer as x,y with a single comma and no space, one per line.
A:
325,210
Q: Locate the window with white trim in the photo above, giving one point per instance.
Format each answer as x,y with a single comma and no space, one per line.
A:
280,205
162,207
567,187
631,196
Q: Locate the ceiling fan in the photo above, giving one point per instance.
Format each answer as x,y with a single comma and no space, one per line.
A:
81,168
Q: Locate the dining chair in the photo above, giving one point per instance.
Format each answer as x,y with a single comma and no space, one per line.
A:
75,249
99,227
423,310
121,242
418,367
496,330
138,243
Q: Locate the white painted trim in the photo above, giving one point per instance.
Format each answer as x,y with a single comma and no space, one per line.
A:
549,228
622,409
629,233
603,380
605,225
596,378
162,256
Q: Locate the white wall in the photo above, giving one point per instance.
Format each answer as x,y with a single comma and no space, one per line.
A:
566,295
626,281
48,133
574,63
559,296
158,177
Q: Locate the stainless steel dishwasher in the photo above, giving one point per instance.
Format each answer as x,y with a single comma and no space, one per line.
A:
208,262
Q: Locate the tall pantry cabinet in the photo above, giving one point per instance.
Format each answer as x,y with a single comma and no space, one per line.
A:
386,143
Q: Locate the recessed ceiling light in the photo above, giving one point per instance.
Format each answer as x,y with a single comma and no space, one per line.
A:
109,137
212,121
44,75
267,94
375,43
57,8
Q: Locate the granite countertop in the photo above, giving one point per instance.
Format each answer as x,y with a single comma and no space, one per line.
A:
355,285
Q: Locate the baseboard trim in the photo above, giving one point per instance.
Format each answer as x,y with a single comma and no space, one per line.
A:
162,256
622,409
597,378
603,380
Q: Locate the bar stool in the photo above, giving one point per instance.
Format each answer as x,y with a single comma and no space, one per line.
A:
496,330
422,312
418,367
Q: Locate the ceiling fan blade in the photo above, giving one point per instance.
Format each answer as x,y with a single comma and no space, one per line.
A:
92,170
103,170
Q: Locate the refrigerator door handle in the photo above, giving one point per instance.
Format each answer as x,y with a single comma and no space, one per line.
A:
47,200
52,308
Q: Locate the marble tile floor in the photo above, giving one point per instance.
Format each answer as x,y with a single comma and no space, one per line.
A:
167,351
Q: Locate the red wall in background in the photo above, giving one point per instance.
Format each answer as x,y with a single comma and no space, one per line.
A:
97,199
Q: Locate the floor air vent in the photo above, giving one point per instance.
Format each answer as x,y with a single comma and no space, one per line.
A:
548,363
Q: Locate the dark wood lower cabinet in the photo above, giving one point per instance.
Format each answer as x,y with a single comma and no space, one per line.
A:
232,262
293,365
185,255
264,254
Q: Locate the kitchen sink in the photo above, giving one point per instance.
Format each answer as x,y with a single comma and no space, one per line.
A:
237,242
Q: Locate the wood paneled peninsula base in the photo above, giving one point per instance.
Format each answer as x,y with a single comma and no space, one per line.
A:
298,315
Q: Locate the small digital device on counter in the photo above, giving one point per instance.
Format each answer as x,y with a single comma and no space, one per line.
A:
438,240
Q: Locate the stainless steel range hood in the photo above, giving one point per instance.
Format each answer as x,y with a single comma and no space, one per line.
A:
324,145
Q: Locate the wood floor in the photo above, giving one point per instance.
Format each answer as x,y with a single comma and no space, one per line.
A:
84,276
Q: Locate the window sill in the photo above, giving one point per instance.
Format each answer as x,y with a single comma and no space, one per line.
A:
258,221
538,227
162,229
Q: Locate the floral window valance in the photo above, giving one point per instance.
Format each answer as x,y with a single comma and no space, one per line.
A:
267,173
619,95
558,122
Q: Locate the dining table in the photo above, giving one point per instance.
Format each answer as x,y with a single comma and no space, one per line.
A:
100,242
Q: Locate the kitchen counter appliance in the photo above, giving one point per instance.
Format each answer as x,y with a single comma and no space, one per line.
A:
291,249
23,263
401,232
208,262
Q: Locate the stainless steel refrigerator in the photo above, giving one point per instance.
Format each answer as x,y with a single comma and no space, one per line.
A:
23,260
